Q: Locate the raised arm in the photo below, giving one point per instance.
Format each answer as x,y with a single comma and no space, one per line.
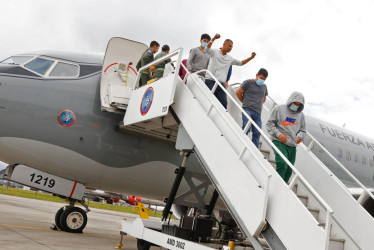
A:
249,58
217,36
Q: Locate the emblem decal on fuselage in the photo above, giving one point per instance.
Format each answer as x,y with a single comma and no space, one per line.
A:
147,101
66,118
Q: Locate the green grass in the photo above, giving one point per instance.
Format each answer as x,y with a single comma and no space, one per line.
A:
49,197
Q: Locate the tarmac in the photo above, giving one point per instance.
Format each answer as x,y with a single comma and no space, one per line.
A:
25,224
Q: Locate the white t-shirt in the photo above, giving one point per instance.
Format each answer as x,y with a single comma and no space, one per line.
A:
219,64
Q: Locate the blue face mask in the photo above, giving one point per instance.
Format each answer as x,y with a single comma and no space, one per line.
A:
293,107
260,82
204,44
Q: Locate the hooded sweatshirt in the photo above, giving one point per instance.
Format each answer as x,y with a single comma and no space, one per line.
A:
283,120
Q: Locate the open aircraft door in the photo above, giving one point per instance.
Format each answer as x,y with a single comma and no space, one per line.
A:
119,72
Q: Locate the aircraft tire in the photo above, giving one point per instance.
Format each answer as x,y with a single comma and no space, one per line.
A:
73,220
143,245
58,217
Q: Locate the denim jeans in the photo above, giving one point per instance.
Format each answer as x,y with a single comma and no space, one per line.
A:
219,93
256,117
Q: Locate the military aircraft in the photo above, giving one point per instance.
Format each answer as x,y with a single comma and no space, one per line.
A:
61,117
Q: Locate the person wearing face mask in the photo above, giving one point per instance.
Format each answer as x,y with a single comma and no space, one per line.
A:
198,58
219,65
252,93
286,126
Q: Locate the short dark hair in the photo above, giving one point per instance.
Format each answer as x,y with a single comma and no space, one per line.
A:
205,36
228,40
263,72
154,43
165,47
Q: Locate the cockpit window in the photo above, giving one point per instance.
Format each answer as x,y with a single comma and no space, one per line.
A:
17,60
39,65
65,69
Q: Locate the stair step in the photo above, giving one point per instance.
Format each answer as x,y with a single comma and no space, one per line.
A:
323,225
265,151
338,240
294,188
314,212
262,241
272,163
303,199
336,244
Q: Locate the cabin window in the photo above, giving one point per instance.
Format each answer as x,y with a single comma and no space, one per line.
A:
363,160
17,60
356,158
340,153
65,70
39,65
348,156
321,150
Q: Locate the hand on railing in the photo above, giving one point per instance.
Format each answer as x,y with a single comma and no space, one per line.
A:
297,174
155,62
315,141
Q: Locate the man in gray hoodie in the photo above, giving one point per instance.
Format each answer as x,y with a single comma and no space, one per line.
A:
286,126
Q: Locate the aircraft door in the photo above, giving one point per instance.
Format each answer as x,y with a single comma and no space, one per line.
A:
119,72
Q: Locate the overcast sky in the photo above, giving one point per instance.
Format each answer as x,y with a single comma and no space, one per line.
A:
323,48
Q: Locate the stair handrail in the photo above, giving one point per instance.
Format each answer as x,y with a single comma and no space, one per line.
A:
267,172
309,150
178,52
241,155
297,174
315,141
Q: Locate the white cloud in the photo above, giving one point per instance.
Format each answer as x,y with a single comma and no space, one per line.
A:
321,48
2,165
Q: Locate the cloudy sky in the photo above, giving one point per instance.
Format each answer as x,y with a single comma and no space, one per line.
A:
2,165
322,48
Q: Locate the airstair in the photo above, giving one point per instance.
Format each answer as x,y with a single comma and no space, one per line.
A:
314,211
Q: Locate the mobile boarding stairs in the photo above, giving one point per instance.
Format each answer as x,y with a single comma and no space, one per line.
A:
314,211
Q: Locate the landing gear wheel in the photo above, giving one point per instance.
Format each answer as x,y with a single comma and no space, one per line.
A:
58,217
73,220
143,245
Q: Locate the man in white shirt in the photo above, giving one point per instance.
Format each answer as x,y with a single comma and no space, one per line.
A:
219,65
